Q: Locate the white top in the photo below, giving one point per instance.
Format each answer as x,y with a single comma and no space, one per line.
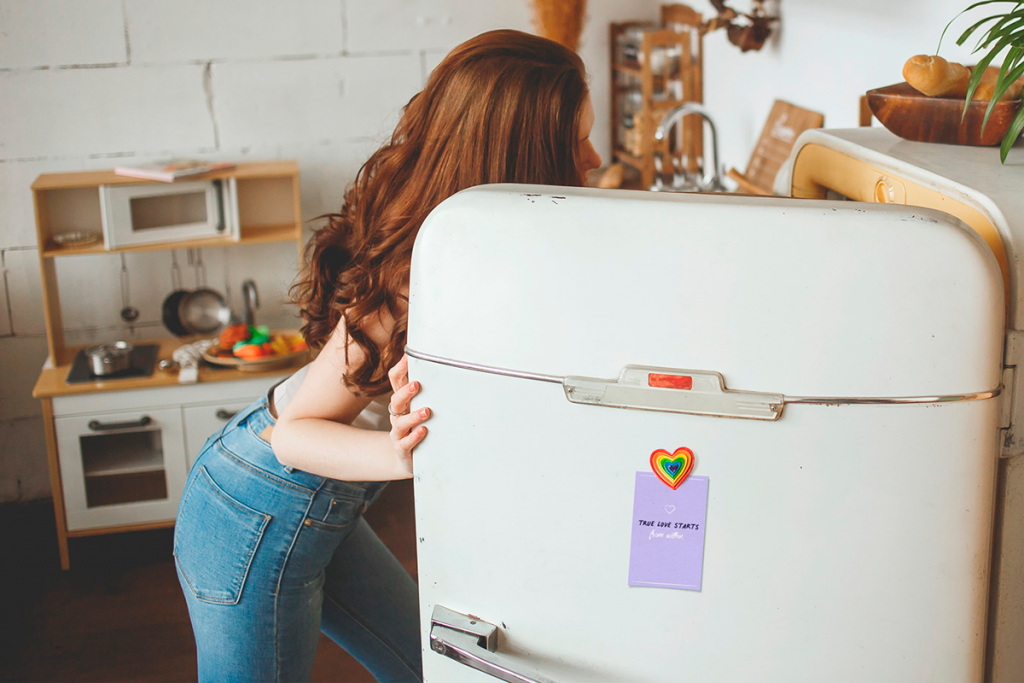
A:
374,417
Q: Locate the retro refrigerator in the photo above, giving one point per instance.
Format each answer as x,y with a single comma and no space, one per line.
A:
833,371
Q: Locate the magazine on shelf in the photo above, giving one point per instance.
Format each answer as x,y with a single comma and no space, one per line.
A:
169,171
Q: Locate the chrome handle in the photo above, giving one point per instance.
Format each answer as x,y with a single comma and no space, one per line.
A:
225,414
697,392
474,642
98,426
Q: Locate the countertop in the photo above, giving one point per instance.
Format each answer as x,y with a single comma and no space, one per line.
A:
51,380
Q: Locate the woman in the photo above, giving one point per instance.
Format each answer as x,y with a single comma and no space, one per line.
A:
270,543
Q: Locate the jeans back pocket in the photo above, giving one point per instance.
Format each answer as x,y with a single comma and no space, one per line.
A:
215,540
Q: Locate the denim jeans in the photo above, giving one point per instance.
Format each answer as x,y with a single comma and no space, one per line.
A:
269,556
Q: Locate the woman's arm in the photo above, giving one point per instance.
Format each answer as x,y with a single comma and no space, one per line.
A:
314,434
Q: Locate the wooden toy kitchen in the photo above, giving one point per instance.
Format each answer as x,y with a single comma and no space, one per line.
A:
120,444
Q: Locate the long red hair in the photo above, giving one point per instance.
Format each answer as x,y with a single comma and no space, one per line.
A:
503,107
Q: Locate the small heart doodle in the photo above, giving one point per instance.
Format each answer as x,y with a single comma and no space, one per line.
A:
670,509
672,468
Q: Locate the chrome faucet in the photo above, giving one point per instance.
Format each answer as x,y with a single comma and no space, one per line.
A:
250,301
711,182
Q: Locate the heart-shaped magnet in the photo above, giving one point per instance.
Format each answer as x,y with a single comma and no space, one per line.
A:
672,468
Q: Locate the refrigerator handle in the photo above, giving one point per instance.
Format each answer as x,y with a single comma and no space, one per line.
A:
696,392
474,642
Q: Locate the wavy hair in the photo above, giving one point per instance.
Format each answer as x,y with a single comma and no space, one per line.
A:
503,107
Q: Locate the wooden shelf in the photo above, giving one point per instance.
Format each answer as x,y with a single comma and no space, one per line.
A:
251,235
656,96
66,181
635,71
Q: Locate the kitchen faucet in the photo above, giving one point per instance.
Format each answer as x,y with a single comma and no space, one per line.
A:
711,182
250,301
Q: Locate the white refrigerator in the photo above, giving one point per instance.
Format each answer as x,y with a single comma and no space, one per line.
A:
702,437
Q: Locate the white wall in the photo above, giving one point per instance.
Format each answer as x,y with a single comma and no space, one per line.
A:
825,55
89,85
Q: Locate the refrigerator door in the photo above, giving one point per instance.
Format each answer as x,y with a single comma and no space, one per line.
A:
847,534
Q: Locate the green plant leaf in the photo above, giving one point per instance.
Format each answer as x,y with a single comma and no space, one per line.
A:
1001,19
1003,28
1004,81
971,30
966,34
1008,31
977,72
1011,135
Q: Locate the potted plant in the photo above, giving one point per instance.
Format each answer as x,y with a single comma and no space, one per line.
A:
1005,32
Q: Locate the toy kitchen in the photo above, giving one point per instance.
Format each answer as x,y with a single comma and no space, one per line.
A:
124,421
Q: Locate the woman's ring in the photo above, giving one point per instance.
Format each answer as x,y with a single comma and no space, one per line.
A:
392,412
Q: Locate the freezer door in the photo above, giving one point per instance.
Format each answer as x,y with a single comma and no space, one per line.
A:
799,297
842,540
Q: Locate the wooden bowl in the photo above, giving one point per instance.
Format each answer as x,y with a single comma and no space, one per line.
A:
920,118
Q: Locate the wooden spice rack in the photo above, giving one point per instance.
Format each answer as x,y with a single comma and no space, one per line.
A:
653,69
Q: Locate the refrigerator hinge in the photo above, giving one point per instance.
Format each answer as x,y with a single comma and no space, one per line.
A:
1006,399
1011,444
1014,346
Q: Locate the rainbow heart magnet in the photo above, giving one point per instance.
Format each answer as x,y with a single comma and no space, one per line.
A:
672,468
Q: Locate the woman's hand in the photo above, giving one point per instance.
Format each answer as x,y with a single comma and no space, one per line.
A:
407,428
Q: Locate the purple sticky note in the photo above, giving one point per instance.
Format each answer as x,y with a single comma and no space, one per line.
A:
667,550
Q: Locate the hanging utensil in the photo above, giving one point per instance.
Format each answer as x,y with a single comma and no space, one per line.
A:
203,310
200,269
129,313
250,301
169,310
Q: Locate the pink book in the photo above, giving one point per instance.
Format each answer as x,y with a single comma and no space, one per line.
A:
170,171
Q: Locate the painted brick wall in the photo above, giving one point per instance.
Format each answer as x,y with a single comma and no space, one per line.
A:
89,85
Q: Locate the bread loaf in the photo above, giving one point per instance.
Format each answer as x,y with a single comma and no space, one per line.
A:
987,87
934,76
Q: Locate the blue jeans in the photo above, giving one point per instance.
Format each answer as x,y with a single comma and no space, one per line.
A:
269,556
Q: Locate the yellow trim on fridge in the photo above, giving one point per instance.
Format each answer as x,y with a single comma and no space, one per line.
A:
818,169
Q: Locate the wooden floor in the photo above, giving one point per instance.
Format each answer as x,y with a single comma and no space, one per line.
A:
119,614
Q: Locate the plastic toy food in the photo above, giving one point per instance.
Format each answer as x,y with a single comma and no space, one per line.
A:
251,343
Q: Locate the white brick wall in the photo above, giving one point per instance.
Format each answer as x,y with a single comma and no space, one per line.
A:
23,288
203,30
24,443
90,85
325,99
103,111
49,33
15,401
400,25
